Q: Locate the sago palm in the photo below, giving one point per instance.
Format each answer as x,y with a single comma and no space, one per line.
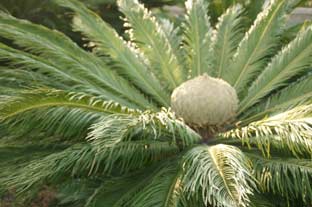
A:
189,116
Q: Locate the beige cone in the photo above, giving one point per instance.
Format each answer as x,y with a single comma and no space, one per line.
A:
205,101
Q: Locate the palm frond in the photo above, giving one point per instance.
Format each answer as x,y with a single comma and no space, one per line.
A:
54,111
299,92
15,79
164,189
84,82
151,39
292,60
84,160
291,129
289,177
197,41
63,122
258,44
20,60
79,192
128,60
221,172
122,157
15,155
45,98
172,33
61,56
112,191
228,34
162,125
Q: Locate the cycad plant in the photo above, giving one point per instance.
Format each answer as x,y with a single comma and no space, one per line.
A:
189,116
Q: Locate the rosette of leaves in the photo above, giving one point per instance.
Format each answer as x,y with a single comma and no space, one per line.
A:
104,114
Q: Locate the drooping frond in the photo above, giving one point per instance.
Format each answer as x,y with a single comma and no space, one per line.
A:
112,130
292,60
14,79
80,192
21,60
162,125
26,61
299,92
258,44
289,177
229,31
84,160
221,172
67,123
112,191
15,155
291,129
62,57
123,157
197,37
163,189
54,112
148,34
45,98
129,61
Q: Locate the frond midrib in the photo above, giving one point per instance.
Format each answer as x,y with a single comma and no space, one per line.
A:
279,160
172,188
197,44
61,104
257,45
151,40
254,96
221,65
219,170
266,111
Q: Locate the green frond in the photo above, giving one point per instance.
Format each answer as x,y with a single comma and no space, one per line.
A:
163,189
22,60
221,172
26,61
289,177
116,195
54,111
292,60
79,192
197,38
123,157
258,44
15,79
67,123
225,40
45,98
112,191
259,200
148,34
113,129
62,57
85,160
299,92
14,156
291,129
162,126
129,61
172,33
